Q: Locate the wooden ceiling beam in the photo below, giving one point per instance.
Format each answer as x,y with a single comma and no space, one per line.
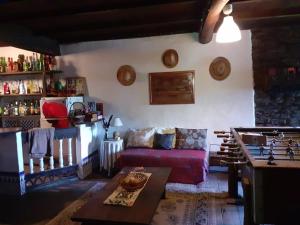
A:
207,30
265,8
3,44
18,10
109,18
19,37
129,32
273,21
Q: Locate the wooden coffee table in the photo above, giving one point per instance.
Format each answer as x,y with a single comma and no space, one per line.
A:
141,213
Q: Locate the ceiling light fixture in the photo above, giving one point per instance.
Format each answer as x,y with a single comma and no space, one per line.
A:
229,30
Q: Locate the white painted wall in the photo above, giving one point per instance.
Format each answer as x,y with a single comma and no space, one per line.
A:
13,52
219,104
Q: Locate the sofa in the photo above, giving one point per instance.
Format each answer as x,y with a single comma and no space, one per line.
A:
187,156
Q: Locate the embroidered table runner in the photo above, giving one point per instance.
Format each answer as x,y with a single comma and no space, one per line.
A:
125,198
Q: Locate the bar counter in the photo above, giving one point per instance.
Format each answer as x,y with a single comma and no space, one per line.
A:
81,143
9,130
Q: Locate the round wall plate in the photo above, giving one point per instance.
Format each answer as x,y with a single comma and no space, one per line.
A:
126,75
220,68
170,58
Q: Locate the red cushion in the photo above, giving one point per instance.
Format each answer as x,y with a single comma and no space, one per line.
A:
54,110
188,166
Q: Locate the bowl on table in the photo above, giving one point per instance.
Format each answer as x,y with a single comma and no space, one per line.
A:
133,181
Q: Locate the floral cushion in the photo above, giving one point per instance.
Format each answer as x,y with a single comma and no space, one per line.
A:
140,138
191,138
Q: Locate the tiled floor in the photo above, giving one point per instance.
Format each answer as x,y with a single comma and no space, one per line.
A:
40,206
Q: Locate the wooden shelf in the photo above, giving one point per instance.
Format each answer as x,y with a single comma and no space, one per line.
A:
30,73
21,73
16,95
20,116
56,118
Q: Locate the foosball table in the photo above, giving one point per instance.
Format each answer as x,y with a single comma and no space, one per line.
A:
267,161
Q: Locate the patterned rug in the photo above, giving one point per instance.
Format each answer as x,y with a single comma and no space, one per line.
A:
184,205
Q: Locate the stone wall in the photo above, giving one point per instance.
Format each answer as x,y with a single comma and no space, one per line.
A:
276,66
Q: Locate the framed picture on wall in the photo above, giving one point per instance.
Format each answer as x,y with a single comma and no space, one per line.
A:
172,87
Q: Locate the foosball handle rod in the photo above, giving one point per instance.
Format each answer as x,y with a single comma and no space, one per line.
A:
223,136
223,148
230,145
239,163
227,140
221,132
229,153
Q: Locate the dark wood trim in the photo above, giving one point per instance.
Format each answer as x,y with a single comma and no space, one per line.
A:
21,37
144,30
15,11
114,18
275,21
248,15
206,32
264,8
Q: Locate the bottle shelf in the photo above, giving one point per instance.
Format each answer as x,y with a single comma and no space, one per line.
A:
16,95
30,73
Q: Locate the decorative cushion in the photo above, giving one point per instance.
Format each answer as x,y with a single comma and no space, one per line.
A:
168,131
191,138
163,141
140,138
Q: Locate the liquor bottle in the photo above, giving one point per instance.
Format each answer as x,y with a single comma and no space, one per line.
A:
30,87
0,64
25,69
40,85
8,65
46,63
11,109
21,109
26,64
14,87
16,109
36,86
34,62
36,107
42,63
6,88
21,59
25,108
38,63
3,65
30,63
51,62
31,109
11,64
6,110
22,89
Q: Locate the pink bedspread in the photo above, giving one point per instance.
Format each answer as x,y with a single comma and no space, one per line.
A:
188,166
